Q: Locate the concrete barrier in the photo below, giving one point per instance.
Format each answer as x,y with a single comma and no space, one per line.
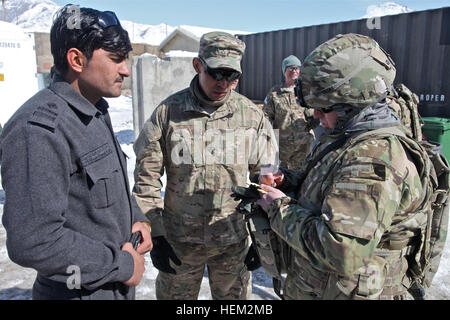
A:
154,79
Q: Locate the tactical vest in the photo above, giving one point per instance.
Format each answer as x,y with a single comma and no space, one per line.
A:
420,237
405,104
423,250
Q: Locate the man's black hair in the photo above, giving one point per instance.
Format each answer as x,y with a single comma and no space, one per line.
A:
75,27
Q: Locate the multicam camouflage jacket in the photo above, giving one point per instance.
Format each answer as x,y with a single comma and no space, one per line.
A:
351,225
203,155
285,114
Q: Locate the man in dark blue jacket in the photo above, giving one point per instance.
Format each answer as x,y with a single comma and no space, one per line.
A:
68,210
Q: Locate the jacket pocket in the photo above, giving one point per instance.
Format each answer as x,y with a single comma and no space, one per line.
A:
103,176
367,283
308,280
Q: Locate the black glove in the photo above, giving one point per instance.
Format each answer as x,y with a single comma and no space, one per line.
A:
247,196
252,259
161,253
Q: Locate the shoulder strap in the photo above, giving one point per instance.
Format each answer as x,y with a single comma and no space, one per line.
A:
46,116
311,164
410,101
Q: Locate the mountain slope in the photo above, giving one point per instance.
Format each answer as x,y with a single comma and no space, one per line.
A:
37,16
31,15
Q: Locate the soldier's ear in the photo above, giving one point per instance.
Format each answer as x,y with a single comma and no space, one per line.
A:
76,60
198,65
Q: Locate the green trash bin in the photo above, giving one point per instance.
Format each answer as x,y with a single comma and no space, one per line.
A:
438,130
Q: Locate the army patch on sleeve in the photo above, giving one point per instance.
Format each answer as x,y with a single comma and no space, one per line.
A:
380,171
374,171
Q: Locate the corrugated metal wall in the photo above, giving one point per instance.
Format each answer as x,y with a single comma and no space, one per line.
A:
419,43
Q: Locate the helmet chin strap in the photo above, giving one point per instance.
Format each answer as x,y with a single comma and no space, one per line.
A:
345,113
372,117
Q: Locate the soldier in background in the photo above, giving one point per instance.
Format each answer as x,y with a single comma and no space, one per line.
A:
356,217
195,136
288,116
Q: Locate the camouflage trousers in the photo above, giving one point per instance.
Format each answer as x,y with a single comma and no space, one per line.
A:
228,276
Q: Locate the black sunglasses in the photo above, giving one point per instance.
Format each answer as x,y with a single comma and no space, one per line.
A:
107,19
220,74
325,110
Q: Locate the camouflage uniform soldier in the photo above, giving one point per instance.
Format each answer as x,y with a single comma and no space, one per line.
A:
206,139
288,116
356,213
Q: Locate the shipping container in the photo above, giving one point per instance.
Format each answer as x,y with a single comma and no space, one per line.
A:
419,43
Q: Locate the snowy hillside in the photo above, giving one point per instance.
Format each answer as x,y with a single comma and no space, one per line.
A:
37,16
385,9
31,15
144,33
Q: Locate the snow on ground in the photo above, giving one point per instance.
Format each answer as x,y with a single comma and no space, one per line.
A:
16,282
181,53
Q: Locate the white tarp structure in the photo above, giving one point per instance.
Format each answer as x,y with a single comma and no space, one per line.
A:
18,80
